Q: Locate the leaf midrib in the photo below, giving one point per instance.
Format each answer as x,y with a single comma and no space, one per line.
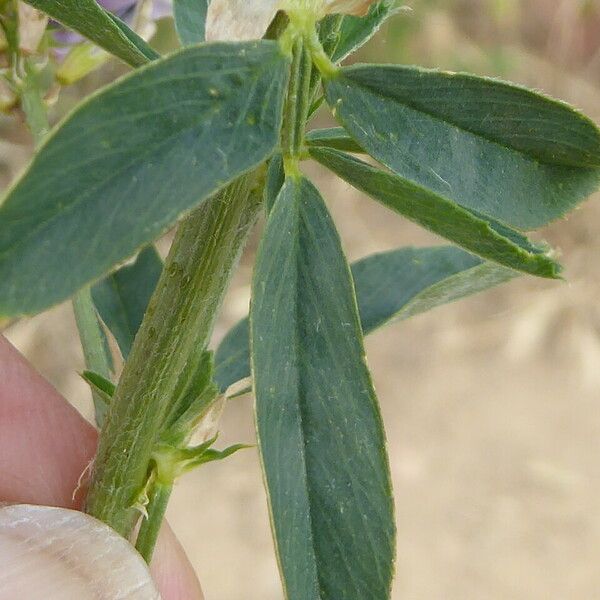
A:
332,352
301,221
299,390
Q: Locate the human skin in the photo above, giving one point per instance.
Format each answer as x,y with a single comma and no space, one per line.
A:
45,446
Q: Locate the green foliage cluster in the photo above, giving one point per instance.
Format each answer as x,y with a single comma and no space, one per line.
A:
477,161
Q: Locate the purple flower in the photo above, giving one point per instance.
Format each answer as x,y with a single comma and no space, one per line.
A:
117,6
124,9
160,8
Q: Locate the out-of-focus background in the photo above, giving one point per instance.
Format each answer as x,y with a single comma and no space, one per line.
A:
492,405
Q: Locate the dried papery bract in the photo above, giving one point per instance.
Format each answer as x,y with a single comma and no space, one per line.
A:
323,7
32,25
71,555
249,19
239,19
348,7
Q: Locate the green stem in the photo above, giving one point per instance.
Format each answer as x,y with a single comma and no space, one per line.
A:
32,103
319,55
304,99
93,341
297,104
9,22
33,107
289,133
150,528
179,320
329,46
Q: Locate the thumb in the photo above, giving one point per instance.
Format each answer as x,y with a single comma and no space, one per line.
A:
64,554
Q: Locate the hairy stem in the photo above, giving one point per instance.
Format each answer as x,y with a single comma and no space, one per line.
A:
179,320
297,104
329,45
289,131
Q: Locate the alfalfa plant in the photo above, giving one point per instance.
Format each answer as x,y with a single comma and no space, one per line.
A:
207,138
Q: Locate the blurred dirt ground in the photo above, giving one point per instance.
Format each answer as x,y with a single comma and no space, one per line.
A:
492,405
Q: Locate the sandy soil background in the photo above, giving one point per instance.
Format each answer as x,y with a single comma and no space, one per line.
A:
492,405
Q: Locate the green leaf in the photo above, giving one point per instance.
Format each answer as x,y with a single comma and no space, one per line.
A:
190,20
274,182
121,298
390,287
94,343
100,384
89,19
333,137
131,161
487,145
212,455
196,377
232,358
355,32
197,393
103,391
173,461
396,285
469,229
319,429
